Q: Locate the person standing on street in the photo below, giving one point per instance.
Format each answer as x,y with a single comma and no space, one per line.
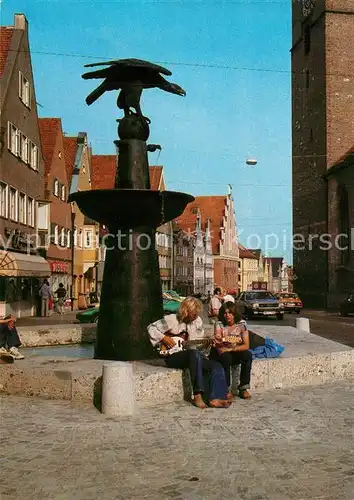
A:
9,338
214,305
45,294
61,295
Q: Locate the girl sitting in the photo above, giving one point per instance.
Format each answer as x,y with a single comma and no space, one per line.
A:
231,346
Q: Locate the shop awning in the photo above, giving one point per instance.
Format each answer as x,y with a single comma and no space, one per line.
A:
17,264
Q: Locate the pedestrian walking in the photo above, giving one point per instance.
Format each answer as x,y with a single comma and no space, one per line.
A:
46,295
61,296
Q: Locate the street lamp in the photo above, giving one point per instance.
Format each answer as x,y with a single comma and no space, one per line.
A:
251,161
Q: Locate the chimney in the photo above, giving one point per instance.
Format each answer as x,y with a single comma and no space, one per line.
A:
21,22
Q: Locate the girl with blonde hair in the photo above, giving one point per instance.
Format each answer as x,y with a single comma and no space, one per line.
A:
170,336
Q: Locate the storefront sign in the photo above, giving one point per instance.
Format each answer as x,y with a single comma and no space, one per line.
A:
259,285
59,267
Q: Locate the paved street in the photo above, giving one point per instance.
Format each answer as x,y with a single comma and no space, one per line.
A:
329,325
287,444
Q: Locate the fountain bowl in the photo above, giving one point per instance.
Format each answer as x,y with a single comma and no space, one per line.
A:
131,208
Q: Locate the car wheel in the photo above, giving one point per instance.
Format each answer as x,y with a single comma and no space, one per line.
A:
96,319
280,316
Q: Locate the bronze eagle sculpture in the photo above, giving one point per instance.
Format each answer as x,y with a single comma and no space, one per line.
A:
131,77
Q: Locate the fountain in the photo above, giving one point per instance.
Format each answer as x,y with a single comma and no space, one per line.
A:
131,295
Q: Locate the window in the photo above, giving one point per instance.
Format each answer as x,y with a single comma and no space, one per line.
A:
30,211
56,187
24,148
62,237
34,156
63,193
22,208
307,79
3,199
13,142
88,238
307,39
68,239
24,90
13,204
56,235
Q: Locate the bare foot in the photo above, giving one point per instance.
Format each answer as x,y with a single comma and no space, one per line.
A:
230,396
199,402
244,394
219,403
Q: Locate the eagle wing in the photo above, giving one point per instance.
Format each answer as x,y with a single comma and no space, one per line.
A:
133,62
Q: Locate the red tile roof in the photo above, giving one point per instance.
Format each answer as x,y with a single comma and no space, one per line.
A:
245,253
155,177
212,208
5,40
70,147
49,129
103,171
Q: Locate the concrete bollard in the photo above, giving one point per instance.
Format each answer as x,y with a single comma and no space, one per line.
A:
303,324
118,391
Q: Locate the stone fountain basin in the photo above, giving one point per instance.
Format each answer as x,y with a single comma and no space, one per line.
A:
131,207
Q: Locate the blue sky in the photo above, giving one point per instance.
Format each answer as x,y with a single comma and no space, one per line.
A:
231,57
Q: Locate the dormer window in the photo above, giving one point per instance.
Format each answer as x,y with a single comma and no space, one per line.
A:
24,90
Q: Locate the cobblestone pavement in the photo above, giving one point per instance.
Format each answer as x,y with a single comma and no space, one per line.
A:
287,444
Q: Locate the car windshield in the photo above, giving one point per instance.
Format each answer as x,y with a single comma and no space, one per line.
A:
289,296
172,293
259,296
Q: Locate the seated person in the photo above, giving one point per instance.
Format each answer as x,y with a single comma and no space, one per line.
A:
171,335
231,346
9,339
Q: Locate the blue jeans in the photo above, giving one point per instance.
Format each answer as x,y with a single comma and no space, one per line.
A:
199,366
9,337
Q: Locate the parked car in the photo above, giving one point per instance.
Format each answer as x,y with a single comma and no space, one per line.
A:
91,315
172,294
291,301
260,303
347,306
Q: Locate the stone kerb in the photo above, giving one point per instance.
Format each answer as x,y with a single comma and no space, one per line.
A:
50,335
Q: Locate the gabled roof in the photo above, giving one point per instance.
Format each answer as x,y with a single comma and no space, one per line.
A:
49,129
245,253
6,33
70,148
103,171
212,208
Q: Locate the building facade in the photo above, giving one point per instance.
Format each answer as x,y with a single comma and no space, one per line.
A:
183,262
322,57
23,210
219,228
85,231
57,251
248,268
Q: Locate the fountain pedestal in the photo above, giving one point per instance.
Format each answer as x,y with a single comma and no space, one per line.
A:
131,296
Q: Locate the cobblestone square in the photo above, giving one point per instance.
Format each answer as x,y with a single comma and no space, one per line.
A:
285,444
